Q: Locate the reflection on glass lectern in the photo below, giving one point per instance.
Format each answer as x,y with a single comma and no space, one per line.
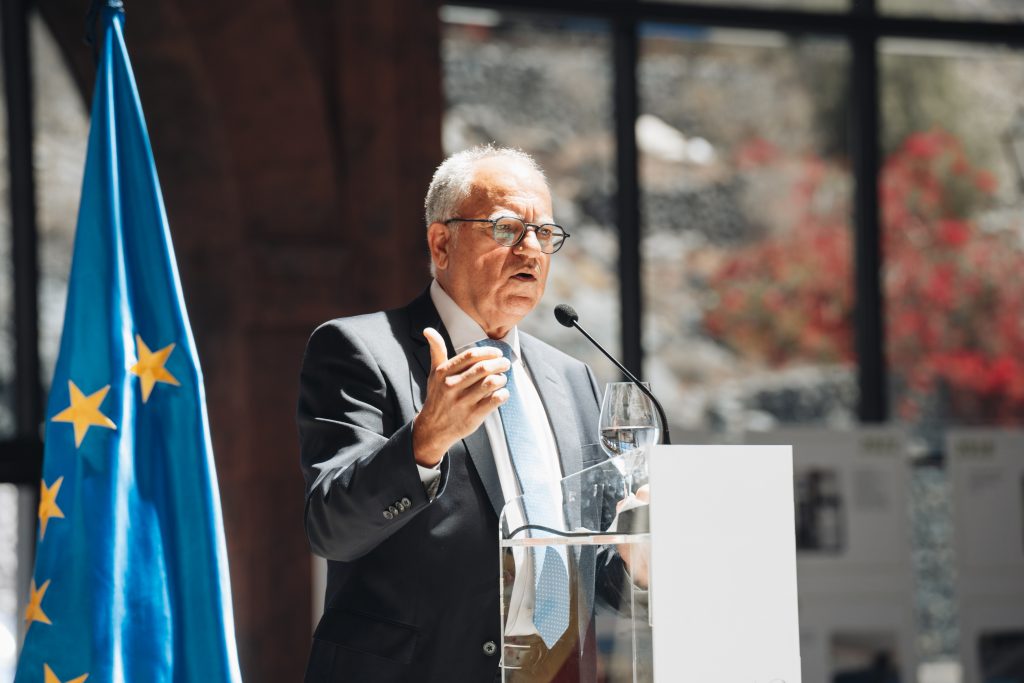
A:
575,590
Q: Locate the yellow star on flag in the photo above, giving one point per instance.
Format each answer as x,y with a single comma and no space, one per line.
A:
52,677
84,412
48,504
34,611
150,367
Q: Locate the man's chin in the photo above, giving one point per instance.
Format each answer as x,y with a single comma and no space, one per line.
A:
520,304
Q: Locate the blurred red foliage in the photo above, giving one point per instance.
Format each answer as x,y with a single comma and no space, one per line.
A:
954,303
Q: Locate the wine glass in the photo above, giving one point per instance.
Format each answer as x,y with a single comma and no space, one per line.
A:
629,426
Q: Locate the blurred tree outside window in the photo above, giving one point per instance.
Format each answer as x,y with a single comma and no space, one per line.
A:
953,235
747,243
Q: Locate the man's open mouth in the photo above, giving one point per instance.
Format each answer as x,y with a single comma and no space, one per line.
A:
524,277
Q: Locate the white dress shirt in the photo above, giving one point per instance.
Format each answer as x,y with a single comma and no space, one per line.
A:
464,333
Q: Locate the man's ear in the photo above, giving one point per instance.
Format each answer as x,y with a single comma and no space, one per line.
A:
440,241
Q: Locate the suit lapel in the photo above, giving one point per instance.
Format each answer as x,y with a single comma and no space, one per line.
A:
479,448
557,404
422,313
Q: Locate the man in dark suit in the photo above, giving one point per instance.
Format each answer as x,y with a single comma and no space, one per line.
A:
409,452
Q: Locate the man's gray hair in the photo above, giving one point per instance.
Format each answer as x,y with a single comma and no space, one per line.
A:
453,179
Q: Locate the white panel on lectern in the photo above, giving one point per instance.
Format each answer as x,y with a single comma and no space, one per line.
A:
723,564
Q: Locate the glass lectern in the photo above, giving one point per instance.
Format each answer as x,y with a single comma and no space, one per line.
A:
596,524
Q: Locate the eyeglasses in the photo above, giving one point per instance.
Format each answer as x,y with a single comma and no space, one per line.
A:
508,231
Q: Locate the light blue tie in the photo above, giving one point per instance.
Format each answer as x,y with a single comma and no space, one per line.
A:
550,573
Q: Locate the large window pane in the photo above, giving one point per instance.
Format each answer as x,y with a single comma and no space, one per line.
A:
544,85
956,9
747,241
953,221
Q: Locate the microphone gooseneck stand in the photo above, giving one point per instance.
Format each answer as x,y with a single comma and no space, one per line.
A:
568,317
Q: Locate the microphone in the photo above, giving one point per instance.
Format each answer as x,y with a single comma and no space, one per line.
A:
567,316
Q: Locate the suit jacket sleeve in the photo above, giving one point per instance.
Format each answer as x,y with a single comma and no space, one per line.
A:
356,448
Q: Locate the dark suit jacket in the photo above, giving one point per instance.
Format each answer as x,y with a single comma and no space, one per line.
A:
412,587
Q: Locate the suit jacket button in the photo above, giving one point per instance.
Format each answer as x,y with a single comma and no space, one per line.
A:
392,509
406,502
490,648
388,514
398,504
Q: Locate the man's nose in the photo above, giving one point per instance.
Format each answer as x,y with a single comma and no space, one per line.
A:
530,241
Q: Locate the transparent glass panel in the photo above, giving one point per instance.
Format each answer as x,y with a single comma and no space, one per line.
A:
8,580
544,84
956,9
61,133
747,244
579,547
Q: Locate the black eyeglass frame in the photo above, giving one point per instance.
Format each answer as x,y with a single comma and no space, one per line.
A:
494,230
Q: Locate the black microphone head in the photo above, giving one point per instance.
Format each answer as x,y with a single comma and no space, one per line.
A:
566,314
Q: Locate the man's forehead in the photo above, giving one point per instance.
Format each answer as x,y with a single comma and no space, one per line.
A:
502,182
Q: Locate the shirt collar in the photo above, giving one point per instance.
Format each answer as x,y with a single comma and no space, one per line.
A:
462,329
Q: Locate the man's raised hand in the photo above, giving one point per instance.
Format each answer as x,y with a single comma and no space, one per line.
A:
461,392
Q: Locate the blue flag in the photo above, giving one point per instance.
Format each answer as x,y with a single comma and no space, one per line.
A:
130,580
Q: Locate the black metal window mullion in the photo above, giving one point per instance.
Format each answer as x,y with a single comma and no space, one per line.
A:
627,197
21,458
869,325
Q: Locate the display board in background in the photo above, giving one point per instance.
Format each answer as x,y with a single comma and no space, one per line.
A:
986,468
853,552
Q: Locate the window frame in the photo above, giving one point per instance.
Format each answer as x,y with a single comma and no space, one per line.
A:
862,27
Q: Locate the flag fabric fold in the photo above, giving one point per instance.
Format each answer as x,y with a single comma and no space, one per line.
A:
130,580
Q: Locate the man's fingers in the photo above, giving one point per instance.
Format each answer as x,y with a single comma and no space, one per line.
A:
484,388
643,494
478,371
467,358
438,352
491,401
